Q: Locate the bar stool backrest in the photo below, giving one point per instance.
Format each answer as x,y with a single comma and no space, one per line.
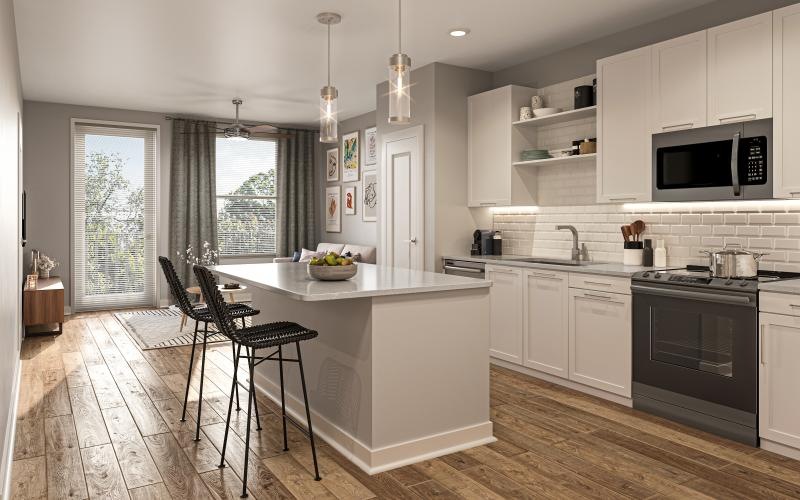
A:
176,288
216,304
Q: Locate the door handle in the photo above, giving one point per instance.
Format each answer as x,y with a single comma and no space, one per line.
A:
629,198
464,269
678,126
723,119
737,189
761,345
412,240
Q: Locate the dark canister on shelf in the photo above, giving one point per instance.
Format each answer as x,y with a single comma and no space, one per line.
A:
584,96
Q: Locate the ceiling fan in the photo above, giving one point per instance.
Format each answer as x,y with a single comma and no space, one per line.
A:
240,131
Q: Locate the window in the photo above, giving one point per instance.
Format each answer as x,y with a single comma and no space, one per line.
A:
113,216
246,204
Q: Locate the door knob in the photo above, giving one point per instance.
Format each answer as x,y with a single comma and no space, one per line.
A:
412,240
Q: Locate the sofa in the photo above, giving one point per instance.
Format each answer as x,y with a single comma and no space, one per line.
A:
367,253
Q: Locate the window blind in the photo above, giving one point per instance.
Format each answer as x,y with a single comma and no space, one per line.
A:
114,204
246,196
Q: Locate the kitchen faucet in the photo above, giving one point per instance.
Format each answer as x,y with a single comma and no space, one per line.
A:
576,252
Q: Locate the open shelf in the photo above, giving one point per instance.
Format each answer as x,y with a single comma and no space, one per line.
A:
564,116
551,161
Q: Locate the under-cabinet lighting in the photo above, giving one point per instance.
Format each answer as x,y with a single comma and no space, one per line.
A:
708,206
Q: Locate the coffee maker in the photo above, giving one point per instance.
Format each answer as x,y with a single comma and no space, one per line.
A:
482,240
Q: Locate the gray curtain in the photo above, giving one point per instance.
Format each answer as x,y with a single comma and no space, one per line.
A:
193,188
296,213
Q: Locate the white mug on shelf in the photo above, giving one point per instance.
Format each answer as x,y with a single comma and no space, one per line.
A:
537,102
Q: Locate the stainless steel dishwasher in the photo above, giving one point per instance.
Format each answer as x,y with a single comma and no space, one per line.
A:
464,268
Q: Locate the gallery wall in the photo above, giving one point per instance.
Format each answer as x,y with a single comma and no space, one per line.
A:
354,229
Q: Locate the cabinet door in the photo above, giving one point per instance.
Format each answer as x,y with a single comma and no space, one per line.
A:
623,127
506,300
740,70
600,340
489,148
786,82
546,321
779,404
679,83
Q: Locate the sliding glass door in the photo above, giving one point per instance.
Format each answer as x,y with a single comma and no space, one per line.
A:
113,216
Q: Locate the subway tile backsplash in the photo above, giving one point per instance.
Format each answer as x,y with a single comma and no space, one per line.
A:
772,227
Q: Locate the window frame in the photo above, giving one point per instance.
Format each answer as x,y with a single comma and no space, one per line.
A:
218,197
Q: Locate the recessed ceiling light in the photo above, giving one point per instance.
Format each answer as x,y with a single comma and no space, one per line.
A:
459,32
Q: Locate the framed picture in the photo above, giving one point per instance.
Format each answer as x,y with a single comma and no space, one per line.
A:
332,162
350,157
350,200
333,213
371,146
369,196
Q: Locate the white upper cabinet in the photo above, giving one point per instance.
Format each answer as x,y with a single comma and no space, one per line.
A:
786,82
506,320
740,70
623,127
679,83
492,180
546,321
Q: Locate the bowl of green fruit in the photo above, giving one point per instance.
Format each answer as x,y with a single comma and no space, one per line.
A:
332,267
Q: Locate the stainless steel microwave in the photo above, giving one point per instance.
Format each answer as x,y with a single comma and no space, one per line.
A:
725,162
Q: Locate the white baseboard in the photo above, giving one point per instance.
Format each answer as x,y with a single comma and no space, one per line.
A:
373,461
67,310
780,449
616,398
163,303
11,428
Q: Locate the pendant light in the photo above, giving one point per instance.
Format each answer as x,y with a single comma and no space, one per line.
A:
328,126
399,77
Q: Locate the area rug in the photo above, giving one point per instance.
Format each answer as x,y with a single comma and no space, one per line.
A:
161,328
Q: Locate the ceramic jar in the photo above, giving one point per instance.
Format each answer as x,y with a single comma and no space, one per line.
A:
525,113
537,102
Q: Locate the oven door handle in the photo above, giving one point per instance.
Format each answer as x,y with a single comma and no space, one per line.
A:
737,188
687,294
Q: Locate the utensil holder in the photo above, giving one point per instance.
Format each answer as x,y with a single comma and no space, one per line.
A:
632,253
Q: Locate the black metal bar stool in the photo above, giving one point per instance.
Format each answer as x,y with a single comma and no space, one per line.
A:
266,336
200,314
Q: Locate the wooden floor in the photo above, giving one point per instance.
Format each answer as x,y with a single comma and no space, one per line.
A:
99,418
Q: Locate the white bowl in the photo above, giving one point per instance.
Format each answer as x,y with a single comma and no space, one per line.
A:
545,111
331,273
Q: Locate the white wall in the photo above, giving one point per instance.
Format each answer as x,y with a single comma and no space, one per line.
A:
354,229
47,177
10,250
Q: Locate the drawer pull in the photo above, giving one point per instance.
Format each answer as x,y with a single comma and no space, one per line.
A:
545,276
602,298
629,198
761,345
749,116
794,306
678,125
600,283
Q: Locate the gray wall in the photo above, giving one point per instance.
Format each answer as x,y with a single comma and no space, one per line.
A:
47,177
580,60
354,229
10,250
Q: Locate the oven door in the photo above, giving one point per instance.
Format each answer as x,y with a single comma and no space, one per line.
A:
698,343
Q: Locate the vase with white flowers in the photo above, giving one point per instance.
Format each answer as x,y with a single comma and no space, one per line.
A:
207,257
46,264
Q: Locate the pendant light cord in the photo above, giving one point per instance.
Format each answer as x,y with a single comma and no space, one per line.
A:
329,55
399,26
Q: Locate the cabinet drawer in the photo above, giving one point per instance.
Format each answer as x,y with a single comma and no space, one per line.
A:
612,284
779,303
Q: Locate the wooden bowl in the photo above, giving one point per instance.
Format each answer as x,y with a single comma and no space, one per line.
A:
331,273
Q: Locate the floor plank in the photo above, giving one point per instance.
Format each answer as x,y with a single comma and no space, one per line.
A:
135,461
88,418
152,492
65,477
75,370
56,397
178,473
103,475
108,395
26,479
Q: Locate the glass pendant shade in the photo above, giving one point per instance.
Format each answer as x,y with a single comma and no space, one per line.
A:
328,125
399,88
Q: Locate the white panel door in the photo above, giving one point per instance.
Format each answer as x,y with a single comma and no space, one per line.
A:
546,321
779,375
786,110
600,340
623,127
679,83
402,212
740,70
506,300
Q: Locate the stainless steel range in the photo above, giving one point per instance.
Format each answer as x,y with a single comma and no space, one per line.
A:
695,348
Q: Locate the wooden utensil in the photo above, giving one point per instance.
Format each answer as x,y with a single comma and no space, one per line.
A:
638,228
625,234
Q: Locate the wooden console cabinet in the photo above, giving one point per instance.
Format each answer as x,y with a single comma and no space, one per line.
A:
43,304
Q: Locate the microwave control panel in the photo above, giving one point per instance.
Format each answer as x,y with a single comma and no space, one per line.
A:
753,160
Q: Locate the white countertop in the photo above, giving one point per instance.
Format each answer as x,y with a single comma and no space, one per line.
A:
787,286
603,268
290,279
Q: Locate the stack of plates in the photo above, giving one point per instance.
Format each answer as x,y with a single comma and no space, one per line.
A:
534,154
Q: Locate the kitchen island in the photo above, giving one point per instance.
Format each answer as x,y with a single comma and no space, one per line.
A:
400,370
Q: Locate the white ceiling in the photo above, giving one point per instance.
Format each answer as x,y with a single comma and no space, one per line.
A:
193,56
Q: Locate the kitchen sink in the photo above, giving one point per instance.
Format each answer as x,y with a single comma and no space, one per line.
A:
557,262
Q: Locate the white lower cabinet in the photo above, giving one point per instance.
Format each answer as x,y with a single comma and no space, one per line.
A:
546,321
506,294
600,340
779,375
573,326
